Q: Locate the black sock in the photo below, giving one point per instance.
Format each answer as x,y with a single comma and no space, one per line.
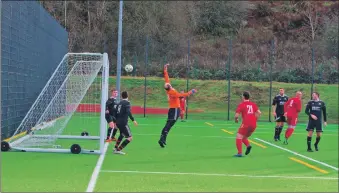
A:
309,141
118,141
276,131
317,141
109,132
123,145
114,132
279,131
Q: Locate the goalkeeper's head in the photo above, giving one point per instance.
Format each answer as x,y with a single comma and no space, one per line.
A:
168,86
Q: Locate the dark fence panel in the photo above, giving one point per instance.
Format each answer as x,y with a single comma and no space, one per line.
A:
32,45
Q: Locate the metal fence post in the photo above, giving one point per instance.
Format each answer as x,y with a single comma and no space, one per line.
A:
145,74
271,66
187,73
229,78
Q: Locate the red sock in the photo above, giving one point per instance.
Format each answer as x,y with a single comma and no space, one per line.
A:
182,116
246,142
239,145
288,133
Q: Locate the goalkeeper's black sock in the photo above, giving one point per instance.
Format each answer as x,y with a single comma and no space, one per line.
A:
123,145
309,141
118,141
109,130
114,132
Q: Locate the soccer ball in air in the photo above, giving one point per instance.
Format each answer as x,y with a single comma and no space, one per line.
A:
129,68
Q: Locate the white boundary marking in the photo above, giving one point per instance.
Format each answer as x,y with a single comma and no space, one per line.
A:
95,174
295,153
225,175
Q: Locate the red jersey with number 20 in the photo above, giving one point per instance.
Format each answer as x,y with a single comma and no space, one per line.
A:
292,107
247,110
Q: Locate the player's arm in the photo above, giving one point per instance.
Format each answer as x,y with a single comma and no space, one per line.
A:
257,111
324,112
274,103
308,109
299,106
167,80
237,113
174,93
129,113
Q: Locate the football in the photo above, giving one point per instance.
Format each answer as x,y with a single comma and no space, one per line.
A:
129,68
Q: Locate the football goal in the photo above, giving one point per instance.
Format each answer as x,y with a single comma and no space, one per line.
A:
68,116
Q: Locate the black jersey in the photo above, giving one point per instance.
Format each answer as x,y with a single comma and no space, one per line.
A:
110,105
123,111
316,108
279,102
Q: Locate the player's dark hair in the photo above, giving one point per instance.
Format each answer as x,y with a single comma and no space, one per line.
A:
281,88
246,95
317,94
124,95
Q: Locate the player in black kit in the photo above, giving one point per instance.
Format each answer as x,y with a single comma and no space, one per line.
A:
122,113
109,116
314,109
278,112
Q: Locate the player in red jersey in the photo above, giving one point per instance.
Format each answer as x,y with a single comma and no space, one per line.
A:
250,113
292,108
182,106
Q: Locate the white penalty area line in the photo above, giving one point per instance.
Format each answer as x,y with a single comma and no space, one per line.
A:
297,154
95,174
223,175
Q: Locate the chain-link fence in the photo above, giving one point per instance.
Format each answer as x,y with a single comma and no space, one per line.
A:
221,71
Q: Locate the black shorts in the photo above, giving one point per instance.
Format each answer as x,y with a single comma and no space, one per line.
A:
314,124
124,130
173,113
280,118
109,118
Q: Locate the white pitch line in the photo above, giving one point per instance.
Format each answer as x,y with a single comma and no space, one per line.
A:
297,154
95,174
187,136
225,175
259,127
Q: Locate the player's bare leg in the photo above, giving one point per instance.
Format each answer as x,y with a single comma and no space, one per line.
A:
317,140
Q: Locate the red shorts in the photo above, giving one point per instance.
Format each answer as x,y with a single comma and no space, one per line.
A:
246,130
292,121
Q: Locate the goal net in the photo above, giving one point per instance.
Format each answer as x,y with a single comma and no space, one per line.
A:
69,113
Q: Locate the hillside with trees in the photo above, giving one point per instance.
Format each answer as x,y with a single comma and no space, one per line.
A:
295,27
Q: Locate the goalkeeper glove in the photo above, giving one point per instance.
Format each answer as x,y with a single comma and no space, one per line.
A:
193,91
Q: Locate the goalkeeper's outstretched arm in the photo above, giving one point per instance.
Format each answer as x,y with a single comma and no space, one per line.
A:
167,80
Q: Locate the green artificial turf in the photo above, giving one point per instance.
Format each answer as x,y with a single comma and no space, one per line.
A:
198,157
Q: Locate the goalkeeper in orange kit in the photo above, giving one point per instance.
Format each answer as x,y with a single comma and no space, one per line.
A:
174,107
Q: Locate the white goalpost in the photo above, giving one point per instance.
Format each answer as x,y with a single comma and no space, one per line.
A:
68,116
